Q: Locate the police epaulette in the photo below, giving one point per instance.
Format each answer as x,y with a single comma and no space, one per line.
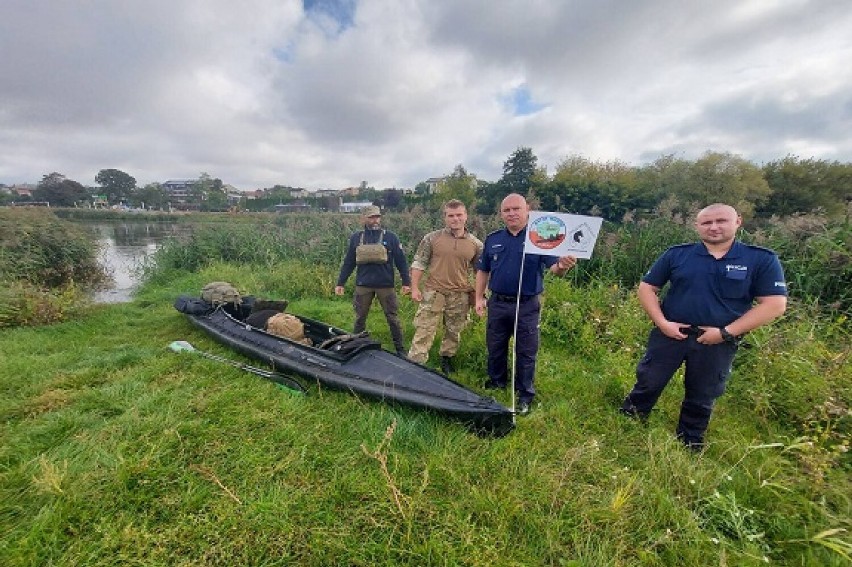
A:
495,232
756,247
684,245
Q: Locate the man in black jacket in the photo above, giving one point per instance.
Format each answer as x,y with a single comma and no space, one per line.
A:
374,277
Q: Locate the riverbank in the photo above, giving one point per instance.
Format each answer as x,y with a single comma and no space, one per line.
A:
118,451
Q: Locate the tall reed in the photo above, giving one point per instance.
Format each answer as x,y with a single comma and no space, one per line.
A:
815,252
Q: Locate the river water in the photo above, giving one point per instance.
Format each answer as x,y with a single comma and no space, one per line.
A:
124,246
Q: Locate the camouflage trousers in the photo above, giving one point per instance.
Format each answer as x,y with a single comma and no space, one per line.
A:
454,306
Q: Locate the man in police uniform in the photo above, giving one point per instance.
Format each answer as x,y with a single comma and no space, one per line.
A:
376,279
720,289
499,269
450,256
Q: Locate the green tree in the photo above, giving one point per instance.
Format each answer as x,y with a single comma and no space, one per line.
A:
715,177
391,198
577,171
599,198
421,188
210,193
152,196
609,189
117,185
459,185
520,175
805,185
663,179
369,194
60,192
519,172
726,178
488,197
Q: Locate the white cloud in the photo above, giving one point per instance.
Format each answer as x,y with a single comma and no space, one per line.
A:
258,92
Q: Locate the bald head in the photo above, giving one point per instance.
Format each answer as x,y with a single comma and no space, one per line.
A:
717,225
718,208
515,212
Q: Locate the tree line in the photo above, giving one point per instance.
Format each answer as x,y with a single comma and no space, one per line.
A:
611,189
117,188
784,187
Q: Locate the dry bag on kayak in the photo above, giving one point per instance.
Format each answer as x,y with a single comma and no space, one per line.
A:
192,305
220,293
287,326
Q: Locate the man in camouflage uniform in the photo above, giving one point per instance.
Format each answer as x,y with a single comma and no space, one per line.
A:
449,255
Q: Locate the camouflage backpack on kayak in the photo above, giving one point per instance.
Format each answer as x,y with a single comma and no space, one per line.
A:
220,293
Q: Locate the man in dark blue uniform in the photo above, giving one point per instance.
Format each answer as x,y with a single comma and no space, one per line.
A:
374,277
499,269
720,289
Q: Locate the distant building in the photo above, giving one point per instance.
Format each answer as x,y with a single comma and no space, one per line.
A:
350,192
433,183
292,208
354,207
23,191
179,194
99,202
233,194
178,188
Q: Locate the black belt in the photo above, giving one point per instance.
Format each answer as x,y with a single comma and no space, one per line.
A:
511,298
692,330
696,331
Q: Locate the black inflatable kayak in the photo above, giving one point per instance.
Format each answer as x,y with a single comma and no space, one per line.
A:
359,365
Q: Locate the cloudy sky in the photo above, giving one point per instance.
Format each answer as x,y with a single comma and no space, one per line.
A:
329,93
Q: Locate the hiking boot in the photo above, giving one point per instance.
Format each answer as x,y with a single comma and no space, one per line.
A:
489,385
447,365
694,446
633,413
524,408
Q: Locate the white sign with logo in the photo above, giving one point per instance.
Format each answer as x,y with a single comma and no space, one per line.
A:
558,234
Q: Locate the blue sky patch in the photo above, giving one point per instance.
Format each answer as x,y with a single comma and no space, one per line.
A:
284,54
521,102
340,11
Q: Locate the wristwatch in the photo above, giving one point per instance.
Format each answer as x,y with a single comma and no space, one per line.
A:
726,336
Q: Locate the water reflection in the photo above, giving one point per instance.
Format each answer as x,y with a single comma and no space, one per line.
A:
124,247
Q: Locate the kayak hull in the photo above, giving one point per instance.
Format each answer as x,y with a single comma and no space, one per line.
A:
367,370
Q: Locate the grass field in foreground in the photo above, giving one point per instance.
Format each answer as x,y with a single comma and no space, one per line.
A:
116,450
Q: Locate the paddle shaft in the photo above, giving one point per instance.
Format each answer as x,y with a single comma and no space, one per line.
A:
276,377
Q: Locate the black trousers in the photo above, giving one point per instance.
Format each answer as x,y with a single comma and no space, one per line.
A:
500,326
708,368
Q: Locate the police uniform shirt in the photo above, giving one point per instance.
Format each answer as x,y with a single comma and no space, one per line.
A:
501,257
710,292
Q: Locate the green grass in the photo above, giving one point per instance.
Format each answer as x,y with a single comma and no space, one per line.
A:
116,450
